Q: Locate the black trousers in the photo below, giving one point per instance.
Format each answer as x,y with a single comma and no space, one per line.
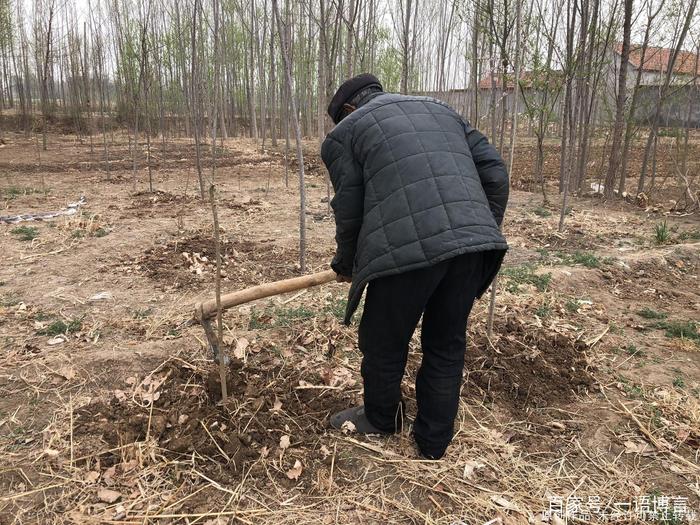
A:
443,294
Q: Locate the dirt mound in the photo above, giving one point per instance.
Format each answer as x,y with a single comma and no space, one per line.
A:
528,367
646,277
154,198
187,261
146,204
267,413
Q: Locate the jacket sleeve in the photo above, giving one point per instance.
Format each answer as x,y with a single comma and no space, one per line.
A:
491,169
347,203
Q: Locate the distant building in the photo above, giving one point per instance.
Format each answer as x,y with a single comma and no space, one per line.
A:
682,101
686,69
681,104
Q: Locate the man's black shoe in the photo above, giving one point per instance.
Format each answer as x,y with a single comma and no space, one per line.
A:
358,418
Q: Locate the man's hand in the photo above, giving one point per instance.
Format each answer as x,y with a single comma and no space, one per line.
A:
342,278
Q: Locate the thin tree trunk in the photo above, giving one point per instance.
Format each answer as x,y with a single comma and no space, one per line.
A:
297,132
194,101
614,162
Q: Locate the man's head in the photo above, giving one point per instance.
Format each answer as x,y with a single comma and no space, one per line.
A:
352,94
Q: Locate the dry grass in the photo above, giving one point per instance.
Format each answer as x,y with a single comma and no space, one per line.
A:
623,424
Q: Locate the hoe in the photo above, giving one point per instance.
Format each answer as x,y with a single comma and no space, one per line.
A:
206,311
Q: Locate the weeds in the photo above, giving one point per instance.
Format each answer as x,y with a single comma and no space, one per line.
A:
337,307
25,233
632,350
648,313
61,327
615,329
277,317
13,192
571,305
689,235
525,274
286,316
141,313
661,233
634,391
589,260
544,310
257,320
541,211
9,300
679,329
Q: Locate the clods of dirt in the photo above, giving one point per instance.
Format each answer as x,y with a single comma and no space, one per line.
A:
158,197
528,367
158,203
187,417
188,261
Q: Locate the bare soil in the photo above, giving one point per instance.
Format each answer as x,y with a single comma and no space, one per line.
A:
110,405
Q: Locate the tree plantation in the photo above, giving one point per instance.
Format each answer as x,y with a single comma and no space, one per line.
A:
190,194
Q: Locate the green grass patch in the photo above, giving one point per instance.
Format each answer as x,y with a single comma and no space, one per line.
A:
634,391
689,235
337,307
287,316
18,191
100,232
543,310
649,313
60,327
25,233
679,329
632,350
615,329
525,274
662,234
541,211
678,382
258,320
279,316
141,313
587,259
571,305
9,300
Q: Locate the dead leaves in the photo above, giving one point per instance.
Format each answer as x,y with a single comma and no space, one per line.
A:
295,471
241,345
91,477
108,495
284,442
148,390
635,447
65,372
470,468
276,406
338,376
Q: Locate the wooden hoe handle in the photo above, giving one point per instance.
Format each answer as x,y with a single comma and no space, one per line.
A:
207,309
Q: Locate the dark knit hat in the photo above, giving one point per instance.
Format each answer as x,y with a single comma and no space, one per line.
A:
349,89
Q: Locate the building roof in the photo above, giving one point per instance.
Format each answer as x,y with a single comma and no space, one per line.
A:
657,59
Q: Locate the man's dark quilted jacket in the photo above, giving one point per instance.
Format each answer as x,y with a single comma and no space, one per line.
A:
414,185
